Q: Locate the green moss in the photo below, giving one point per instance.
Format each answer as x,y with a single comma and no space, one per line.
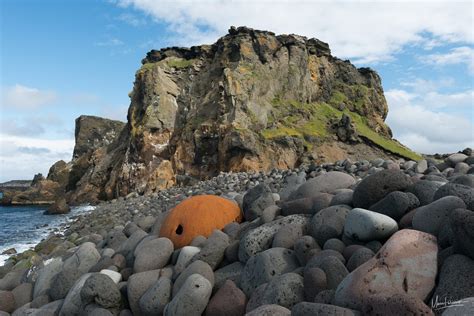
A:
315,127
356,97
148,66
300,119
276,101
280,132
174,62
179,63
312,120
388,144
337,98
145,67
253,117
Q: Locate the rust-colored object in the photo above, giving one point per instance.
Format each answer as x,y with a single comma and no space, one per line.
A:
198,215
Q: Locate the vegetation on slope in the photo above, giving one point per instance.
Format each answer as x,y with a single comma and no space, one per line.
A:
309,120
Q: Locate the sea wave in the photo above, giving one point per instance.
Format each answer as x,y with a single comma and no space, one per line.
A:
57,225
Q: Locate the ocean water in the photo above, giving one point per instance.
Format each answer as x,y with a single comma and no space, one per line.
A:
22,227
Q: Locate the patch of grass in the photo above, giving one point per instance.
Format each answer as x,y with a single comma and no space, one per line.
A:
297,119
388,144
146,67
338,98
300,119
356,97
179,63
281,131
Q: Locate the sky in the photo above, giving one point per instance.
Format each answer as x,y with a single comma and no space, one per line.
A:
60,59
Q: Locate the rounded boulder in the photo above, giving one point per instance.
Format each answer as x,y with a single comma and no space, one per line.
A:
101,290
462,226
328,223
265,266
192,297
402,255
152,254
430,218
376,186
154,300
229,300
365,225
324,183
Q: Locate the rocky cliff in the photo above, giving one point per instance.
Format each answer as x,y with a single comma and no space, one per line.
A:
93,135
251,101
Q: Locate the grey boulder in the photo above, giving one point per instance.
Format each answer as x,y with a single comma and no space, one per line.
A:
152,254
265,266
197,267
464,192
285,290
101,290
138,284
462,226
192,298
259,239
154,300
85,257
307,308
376,186
256,200
213,250
396,204
365,225
324,183
430,218
425,190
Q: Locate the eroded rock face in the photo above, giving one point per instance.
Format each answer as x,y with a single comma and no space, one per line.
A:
196,111
93,132
81,179
251,101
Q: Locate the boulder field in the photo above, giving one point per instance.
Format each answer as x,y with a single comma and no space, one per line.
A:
377,237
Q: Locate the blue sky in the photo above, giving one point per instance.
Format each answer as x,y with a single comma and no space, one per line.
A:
60,59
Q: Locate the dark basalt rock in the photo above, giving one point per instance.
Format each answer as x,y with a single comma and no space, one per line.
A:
375,187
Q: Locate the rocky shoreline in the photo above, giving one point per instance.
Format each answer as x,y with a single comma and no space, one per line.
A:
376,237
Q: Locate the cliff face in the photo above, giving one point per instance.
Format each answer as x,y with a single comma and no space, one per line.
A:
251,101
93,136
93,132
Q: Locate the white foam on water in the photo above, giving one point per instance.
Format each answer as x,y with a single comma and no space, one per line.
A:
57,222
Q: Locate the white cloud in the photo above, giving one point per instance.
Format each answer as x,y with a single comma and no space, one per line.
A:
23,97
424,127
464,99
423,86
425,93
366,31
13,127
23,157
457,55
34,126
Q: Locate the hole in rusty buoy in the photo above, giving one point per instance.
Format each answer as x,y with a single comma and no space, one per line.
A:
179,230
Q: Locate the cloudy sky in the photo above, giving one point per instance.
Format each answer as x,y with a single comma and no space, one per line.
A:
60,59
